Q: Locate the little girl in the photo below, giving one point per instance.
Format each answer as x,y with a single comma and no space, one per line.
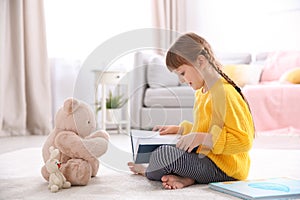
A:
215,146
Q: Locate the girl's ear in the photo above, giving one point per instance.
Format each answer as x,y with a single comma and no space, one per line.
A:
202,61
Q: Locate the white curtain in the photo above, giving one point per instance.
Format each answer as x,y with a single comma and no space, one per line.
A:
25,93
169,15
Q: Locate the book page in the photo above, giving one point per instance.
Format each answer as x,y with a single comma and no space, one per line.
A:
163,139
146,141
153,137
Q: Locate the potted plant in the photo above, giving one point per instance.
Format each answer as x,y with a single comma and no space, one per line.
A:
114,104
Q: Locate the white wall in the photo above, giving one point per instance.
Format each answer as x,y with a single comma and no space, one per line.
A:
64,72
77,28
253,25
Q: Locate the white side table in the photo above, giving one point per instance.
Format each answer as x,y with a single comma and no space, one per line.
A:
116,78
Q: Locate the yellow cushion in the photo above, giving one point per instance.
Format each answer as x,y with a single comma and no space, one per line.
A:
243,74
291,76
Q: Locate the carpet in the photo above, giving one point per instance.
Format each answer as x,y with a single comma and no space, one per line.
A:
20,179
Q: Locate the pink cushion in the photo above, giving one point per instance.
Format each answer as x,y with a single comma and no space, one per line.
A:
278,63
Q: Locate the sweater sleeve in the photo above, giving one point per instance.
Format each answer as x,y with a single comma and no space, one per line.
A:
187,127
229,141
236,133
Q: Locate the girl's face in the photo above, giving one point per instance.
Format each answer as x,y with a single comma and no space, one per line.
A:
189,74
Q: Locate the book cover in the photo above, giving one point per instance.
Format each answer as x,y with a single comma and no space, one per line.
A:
145,142
271,188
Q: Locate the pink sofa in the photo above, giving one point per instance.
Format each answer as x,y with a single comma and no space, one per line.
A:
275,104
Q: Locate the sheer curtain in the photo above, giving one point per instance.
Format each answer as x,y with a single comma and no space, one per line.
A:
169,15
25,95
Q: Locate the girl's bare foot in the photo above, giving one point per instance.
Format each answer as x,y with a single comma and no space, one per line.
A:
176,182
137,168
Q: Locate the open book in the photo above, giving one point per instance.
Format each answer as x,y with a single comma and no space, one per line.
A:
271,188
145,142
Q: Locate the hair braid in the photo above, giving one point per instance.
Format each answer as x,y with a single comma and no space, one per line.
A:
229,80
216,67
185,51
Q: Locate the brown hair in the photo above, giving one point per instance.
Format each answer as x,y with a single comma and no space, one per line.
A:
186,50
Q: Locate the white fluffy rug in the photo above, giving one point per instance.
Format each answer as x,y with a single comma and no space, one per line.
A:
20,179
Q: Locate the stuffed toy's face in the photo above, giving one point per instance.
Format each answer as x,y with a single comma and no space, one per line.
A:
84,120
52,165
76,116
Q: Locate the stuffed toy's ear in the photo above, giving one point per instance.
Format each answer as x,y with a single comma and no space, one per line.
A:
54,153
70,105
51,148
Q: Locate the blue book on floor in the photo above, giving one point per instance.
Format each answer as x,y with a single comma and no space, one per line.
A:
271,188
145,142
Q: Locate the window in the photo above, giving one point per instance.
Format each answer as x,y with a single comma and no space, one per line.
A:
76,28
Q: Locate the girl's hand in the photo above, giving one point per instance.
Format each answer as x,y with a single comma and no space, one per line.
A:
190,141
167,129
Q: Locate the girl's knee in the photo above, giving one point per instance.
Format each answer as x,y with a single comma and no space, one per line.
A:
165,155
165,150
162,162
161,152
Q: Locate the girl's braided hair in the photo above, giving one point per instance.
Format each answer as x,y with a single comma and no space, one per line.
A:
186,50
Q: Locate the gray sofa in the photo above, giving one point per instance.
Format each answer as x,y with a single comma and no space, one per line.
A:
157,96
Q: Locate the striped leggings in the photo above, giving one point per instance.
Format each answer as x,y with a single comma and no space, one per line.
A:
171,160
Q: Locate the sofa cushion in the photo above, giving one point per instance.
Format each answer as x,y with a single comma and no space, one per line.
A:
260,58
278,63
244,74
233,58
158,74
182,96
291,76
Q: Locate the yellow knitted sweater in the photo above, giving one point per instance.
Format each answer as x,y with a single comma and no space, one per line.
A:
222,112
